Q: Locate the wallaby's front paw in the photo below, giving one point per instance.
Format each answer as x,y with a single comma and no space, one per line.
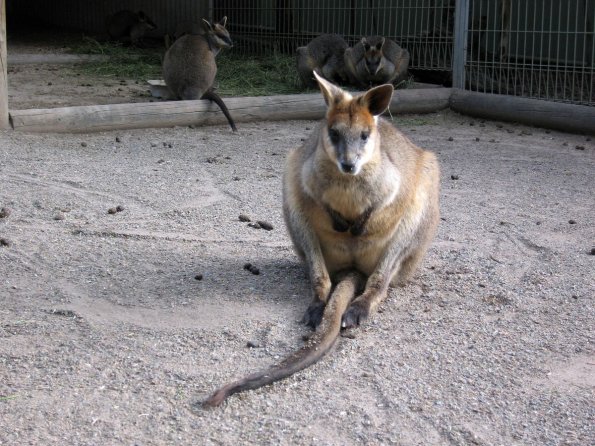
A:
355,315
313,315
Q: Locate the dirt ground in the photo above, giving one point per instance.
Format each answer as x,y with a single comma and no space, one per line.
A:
107,336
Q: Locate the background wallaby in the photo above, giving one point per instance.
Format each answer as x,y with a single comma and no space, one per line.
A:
129,27
189,66
376,60
324,54
360,197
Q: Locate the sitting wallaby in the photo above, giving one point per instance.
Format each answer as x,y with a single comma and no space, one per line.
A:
324,54
129,27
189,66
360,201
376,60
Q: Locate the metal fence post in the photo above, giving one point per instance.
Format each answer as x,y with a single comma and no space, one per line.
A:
459,57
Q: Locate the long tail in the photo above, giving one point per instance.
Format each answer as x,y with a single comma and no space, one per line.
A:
212,96
317,346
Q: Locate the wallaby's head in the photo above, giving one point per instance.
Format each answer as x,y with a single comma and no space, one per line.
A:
217,33
350,136
145,20
373,53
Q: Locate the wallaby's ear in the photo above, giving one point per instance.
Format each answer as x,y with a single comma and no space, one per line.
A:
223,21
381,43
207,25
330,91
378,98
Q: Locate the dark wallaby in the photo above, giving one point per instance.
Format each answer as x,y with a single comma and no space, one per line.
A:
129,27
358,196
376,60
189,66
325,54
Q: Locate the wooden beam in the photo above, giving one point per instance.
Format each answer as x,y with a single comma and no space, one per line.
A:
202,112
555,115
4,122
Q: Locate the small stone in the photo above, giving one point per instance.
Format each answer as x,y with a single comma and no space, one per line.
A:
244,218
118,139
592,251
198,277
564,143
5,212
160,161
119,208
265,225
59,216
580,147
572,222
252,344
254,225
4,242
450,138
236,178
112,211
83,144
49,83
454,177
476,139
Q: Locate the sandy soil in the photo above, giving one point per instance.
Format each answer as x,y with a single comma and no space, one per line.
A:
107,337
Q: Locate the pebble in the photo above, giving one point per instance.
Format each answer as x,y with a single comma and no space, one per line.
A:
4,242
198,277
572,222
118,139
265,225
593,251
450,138
112,211
252,344
244,218
83,144
454,177
254,225
580,147
254,270
119,208
5,213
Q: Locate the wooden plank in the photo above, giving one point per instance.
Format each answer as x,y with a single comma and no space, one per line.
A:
200,112
4,121
554,115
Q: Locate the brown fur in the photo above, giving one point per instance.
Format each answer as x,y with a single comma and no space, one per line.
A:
376,60
397,185
324,54
189,66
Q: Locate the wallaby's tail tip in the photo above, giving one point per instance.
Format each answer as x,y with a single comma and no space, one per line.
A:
216,398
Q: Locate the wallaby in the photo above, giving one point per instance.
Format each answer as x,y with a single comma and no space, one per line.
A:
324,54
358,196
129,27
189,66
376,60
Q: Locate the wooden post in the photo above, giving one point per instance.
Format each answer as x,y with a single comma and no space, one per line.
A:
200,112
546,114
4,123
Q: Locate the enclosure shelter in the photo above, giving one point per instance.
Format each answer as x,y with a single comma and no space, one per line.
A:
490,52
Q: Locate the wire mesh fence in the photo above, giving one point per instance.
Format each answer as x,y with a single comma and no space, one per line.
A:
424,27
533,48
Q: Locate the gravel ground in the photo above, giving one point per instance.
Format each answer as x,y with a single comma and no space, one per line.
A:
108,337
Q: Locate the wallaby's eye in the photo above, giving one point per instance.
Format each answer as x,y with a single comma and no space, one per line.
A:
334,136
364,136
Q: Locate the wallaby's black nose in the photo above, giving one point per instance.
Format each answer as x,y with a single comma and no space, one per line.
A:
348,167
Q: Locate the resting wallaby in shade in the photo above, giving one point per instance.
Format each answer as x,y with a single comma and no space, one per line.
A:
324,54
129,27
376,60
358,196
189,66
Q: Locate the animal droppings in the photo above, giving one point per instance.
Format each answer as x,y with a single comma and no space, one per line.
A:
244,218
265,225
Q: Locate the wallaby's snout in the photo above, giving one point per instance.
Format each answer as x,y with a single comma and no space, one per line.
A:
351,138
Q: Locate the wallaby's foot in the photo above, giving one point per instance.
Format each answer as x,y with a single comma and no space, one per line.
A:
356,314
313,315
